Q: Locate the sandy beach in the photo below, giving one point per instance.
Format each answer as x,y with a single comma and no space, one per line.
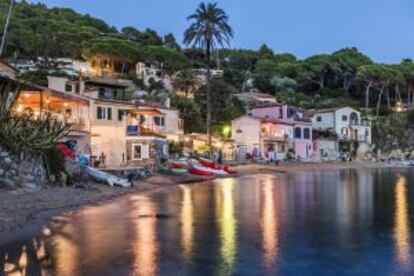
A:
21,208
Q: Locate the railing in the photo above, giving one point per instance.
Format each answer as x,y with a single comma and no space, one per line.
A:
361,123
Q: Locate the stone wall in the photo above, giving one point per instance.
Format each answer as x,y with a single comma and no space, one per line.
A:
21,173
155,150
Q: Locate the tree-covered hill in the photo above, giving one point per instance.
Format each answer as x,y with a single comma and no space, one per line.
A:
39,31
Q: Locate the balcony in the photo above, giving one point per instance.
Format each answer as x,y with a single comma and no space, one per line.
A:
135,130
364,123
268,137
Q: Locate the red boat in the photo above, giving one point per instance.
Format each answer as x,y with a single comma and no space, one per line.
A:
228,170
177,165
199,172
209,164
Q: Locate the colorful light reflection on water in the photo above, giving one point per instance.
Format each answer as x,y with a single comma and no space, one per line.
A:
352,222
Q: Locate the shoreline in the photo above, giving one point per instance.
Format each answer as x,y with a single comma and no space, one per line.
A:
24,211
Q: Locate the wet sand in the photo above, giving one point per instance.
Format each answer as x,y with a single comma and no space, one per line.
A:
22,209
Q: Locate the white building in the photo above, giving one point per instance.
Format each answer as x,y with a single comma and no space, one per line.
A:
346,124
148,73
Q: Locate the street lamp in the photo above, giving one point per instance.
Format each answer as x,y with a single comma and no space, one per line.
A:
226,131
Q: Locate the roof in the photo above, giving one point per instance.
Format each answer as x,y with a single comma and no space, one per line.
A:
106,82
255,95
325,110
267,120
5,63
27,87
267,105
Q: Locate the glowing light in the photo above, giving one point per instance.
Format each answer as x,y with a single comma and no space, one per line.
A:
65,104
228,229
226,131
402,223
187,220
146,245
47,101
269,225
19,108
27,95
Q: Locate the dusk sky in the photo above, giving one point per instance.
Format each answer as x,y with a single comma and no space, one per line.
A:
383,29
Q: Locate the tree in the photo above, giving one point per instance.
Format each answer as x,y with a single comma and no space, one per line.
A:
370,76
185,81
190,113
315,69
265,52
407,70
224,106
348,60
209,28
170,42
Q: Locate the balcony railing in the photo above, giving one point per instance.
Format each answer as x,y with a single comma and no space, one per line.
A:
360,123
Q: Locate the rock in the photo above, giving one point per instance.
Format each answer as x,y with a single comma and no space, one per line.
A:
52,178
7,160
29,178
29,185
63,180
7,183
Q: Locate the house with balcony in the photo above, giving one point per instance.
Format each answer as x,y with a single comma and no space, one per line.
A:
128,133
346,124
275,126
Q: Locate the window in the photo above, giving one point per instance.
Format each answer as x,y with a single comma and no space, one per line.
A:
298,133
159,121
109,117
136,152
140,152
306,133
121,114
319,119
68,87
104,113
344,118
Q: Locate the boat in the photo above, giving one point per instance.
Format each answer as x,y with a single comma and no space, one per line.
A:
209,164
199,171
193,163
108,178
229,171
179,170
178,165
405,163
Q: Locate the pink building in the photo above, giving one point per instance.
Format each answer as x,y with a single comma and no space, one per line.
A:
282,128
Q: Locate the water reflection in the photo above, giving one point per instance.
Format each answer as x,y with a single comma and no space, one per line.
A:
187,220
354,222
402,223
228,228
269,223
145,238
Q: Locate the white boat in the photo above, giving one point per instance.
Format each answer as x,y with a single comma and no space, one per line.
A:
108,178
196,165
405,163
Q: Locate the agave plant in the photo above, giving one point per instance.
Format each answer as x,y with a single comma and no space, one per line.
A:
23,133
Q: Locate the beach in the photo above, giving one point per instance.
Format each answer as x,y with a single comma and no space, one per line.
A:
20,209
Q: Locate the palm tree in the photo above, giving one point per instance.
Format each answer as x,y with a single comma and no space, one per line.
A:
209,28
